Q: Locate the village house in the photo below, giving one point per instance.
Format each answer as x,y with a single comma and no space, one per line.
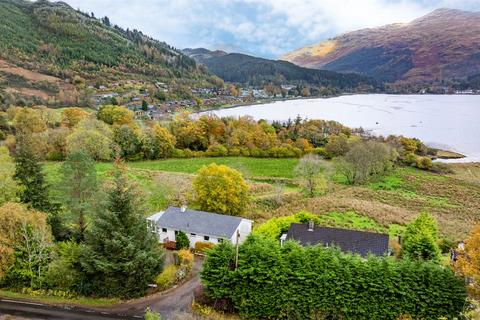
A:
353,241
199,226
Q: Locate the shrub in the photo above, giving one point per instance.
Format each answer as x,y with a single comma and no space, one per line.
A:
245,152
446,244
420,240
410,159
234,152
201,247
273,228
167,278
424,163
337,145
151,315
217,150
186,259
63,272
178,153
320,151
55,156
188,153
440,167
182,241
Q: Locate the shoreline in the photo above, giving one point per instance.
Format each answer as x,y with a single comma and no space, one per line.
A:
442,154
266,101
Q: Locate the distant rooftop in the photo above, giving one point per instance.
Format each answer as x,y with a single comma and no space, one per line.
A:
198,222
359,242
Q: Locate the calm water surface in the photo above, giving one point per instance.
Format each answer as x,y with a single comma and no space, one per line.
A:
442,121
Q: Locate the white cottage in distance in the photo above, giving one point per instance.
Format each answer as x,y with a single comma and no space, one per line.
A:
199,226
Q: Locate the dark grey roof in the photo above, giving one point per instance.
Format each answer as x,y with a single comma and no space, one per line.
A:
360,242
199,222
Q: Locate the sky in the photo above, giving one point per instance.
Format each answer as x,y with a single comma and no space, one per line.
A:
265,28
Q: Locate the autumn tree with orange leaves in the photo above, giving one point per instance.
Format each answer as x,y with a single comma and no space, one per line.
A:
468,263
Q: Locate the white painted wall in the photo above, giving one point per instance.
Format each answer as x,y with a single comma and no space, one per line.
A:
245,228
170,236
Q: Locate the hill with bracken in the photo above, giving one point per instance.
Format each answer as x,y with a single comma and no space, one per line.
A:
242,68
45,45
441,47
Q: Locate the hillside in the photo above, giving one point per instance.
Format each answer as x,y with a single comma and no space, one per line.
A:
441,46
45,38
201,55
241,68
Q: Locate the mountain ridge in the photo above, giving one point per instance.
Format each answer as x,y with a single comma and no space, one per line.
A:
440,46
243,68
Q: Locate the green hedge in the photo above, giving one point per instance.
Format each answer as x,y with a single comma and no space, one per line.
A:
321,283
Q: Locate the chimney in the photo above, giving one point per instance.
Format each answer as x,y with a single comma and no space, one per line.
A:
183,208
311,225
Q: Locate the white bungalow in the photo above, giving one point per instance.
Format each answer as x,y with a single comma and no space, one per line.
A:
199,226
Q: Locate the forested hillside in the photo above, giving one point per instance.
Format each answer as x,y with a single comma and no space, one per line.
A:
54,39
241,68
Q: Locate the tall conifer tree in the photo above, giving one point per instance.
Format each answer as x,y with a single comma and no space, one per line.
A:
121,257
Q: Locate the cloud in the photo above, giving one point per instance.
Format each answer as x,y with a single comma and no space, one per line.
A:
266,28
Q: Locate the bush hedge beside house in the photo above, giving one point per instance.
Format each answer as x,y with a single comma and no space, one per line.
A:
293,282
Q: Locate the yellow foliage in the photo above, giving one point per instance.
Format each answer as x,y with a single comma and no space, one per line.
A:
186,258
8,186
28,121
12,217
72,116
167,278
468,263
221,189
115,115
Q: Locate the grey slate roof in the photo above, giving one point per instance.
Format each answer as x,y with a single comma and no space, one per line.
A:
199,222
359,242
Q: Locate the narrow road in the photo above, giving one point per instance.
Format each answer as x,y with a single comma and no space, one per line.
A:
168,304
40,311
176,300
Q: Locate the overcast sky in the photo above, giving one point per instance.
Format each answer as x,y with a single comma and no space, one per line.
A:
266,28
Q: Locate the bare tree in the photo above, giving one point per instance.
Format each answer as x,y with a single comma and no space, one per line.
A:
36,246
309,173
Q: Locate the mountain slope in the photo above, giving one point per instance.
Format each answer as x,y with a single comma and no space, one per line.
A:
236,67
201,54
56,40
443,45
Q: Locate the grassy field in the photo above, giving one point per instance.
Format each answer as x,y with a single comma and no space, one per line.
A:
453,199
160,179
250,167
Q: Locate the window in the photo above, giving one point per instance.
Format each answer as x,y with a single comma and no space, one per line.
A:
176,232
206,238
193,234
164,230
221,240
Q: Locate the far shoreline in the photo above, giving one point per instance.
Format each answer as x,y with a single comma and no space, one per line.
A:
267,101
443,154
